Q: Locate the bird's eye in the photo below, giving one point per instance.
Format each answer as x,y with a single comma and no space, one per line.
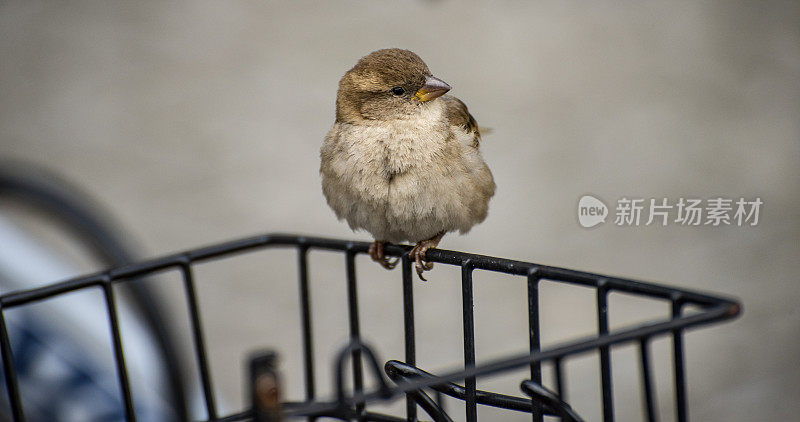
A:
398,90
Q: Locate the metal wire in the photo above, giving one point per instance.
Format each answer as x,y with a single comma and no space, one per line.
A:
199,342
533,337
411,381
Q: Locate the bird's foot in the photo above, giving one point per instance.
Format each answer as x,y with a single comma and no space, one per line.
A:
417,253
377,254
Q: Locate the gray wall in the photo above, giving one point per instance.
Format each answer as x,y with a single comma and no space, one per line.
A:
202,121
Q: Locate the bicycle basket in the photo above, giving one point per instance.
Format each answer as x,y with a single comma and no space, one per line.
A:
407,380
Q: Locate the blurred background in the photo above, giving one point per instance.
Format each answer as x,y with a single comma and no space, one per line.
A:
197,122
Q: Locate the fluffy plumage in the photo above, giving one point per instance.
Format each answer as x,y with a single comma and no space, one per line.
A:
402,168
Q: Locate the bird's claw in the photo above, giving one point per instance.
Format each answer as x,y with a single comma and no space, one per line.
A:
422,266
376,252
417,253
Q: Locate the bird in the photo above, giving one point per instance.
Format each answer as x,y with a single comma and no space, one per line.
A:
402,160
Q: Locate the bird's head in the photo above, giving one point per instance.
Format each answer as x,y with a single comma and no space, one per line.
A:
387,84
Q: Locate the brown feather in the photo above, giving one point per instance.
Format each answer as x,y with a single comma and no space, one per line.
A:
458,115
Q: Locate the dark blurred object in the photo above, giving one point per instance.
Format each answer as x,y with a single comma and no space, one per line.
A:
51,200
265,388
67,206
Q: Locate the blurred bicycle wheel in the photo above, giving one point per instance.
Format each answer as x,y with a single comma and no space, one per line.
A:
50,230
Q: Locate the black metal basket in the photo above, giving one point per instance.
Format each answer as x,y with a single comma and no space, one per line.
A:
406,379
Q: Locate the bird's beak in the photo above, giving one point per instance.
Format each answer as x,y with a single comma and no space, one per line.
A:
433,88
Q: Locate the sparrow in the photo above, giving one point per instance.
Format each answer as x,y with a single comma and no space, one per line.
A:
402,160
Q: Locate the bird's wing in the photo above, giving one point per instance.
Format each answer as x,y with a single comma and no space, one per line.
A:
458,115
